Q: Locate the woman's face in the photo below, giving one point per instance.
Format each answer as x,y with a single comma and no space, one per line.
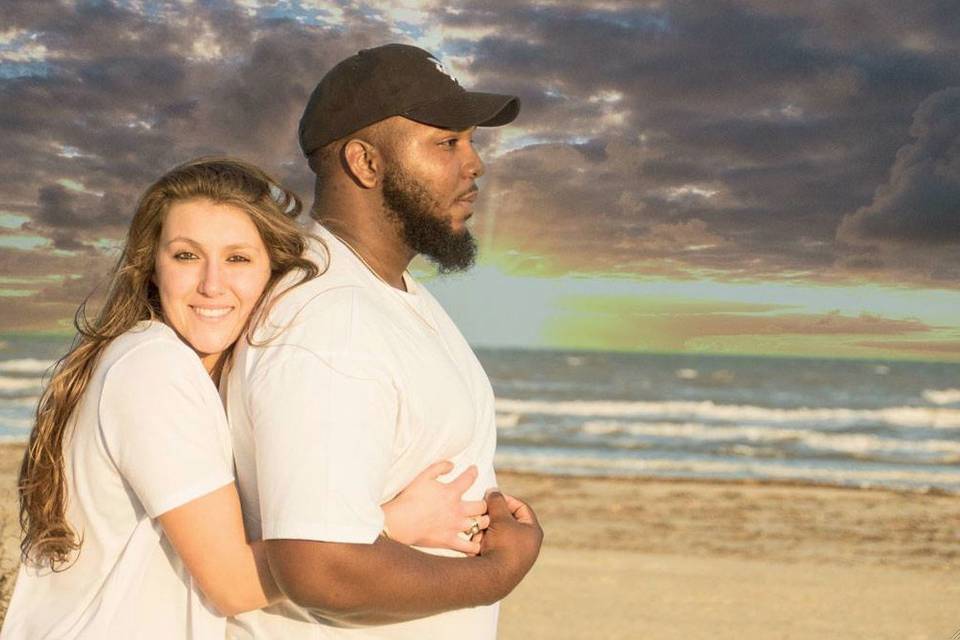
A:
211,268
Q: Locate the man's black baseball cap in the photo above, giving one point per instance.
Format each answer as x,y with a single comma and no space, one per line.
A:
395,80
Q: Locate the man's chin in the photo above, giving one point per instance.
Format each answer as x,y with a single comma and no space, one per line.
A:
456,253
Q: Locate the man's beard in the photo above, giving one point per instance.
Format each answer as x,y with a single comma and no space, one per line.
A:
415,211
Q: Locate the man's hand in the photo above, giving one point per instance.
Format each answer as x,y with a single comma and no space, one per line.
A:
514,536
387,582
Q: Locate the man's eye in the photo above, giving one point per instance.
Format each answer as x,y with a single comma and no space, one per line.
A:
452,142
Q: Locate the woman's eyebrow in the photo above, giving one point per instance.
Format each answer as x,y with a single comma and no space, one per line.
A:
181,239
230,247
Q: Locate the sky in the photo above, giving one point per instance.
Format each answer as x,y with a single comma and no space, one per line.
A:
752,177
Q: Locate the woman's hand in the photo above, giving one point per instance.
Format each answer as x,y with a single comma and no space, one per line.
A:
430,513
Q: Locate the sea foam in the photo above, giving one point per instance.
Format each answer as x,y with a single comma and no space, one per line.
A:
708,411
26,365
14,387
580,462
942,396
857,444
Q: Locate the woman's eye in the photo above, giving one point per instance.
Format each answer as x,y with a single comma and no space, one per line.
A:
238,259
452,142
184,255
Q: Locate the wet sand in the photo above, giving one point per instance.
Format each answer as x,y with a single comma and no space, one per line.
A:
689,559
656,559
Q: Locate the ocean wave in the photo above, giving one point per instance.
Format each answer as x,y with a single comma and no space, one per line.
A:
942,396
920,417
507,420
26,365
17,387
20,402
578,463
16,424
856,444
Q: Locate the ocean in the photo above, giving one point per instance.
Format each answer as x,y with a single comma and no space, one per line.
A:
857,423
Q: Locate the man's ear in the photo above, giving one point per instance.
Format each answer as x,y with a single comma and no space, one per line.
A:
363,162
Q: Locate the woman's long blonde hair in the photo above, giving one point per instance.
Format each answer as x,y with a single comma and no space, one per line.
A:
132,297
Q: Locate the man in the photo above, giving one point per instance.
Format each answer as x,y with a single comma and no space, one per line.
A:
365,381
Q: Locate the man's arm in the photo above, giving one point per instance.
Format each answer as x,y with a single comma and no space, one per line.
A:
387,582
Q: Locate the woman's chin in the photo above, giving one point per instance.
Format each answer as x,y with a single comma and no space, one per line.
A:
211,350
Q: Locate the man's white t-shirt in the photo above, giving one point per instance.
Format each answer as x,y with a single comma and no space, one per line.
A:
361,387
148,435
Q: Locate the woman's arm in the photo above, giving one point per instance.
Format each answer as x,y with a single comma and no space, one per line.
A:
431,513
208,535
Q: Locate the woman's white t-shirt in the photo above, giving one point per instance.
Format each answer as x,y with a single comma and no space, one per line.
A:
149,434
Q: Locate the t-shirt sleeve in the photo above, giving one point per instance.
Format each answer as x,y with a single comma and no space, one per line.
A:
324,428
160,424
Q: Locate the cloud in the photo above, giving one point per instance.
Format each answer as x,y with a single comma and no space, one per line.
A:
27,315
917,347
675,138
920,203
771,118
798,324
912,224
676,326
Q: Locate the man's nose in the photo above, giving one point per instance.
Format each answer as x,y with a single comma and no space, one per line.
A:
474,165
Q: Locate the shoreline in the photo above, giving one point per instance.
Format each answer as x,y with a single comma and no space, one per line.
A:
18,443
694,558
761,482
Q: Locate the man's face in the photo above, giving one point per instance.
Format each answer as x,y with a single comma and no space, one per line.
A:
429,188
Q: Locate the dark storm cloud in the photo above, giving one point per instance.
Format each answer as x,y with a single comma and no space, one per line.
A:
680,137
124,95
61,209
792,115
920,204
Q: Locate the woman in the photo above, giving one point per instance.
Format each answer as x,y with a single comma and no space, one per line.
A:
127,498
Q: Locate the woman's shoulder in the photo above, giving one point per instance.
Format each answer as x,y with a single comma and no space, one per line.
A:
148,346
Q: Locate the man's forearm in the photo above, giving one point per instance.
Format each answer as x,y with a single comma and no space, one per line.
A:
384,582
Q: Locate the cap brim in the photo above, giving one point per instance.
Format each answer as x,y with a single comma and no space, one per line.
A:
467,109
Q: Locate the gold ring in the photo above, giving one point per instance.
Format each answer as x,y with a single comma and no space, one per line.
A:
474,528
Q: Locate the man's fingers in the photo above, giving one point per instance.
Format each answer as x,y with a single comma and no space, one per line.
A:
465,480
473,507
497,506
520,510
513,503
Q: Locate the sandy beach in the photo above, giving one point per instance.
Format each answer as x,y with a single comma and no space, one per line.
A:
687,559
679,559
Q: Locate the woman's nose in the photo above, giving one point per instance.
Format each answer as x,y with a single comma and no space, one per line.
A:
211,282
